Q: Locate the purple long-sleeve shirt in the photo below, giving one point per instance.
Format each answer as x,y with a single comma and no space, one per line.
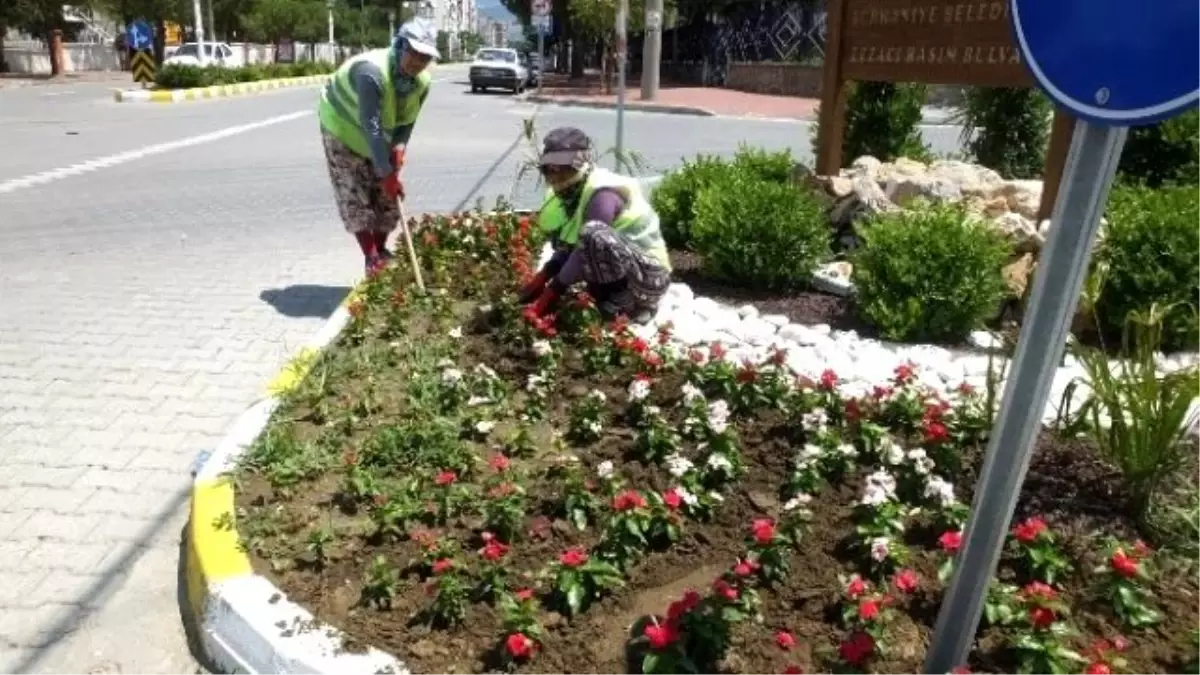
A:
604,207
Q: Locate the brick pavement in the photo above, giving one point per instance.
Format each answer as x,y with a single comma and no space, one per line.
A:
713,100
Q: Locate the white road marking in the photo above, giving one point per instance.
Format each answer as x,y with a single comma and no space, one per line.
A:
131,155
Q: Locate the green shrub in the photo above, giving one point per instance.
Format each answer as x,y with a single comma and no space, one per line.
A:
1150,254
1164,153
1011,128
882,120
175,76
675,196
760,233
932,272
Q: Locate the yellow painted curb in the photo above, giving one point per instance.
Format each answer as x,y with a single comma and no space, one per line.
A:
215,554
215,91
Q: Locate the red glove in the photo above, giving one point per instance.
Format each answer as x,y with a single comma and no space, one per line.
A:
545,301
392,187
533,289
398,158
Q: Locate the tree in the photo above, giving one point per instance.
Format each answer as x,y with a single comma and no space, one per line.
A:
597,19
270,20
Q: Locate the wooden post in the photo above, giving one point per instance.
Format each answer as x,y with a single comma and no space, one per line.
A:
1056,160
832,118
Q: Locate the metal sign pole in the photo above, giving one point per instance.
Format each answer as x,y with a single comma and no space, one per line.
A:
541,58
622,19
1091,166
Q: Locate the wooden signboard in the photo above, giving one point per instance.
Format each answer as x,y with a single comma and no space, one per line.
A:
932,42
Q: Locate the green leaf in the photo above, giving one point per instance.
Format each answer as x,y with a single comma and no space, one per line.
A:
575,597
651,662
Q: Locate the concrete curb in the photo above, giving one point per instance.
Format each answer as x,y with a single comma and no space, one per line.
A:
216,91
660,108
246,624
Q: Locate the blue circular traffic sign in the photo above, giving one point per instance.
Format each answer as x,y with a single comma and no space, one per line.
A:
1112,61
139,35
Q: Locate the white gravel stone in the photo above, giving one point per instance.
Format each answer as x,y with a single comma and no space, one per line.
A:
777,320
986,340
747,311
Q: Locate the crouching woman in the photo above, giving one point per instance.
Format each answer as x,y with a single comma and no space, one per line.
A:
604,233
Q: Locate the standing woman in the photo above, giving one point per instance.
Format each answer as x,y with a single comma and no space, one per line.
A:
367,114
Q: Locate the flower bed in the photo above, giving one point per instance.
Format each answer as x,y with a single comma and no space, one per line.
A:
472,490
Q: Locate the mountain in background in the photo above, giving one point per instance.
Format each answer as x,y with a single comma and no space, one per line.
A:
495,10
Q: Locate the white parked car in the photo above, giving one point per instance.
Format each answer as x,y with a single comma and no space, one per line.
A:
500,68
218,53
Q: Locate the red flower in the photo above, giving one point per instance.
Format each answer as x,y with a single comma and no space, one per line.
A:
906,581
879,393
1098,668
573,557
853,411
747,373
856,587
585,301
357,309
502,490
661,635
639,345
629,499
523,594
716,352
499,462
793,669
904,373
724,590
857,648
519,646
785,640
1028,531
1123,565
1036,590
746,567
868,609
934,432
672,499
494,550
950,541
446,477
652,360
425,538
696,356
442,565
687,603
829,380
778,356
966,389
664,332
764,530
1041,617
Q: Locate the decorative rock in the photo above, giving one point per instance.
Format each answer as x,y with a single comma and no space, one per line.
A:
1024,197
834,278
1017,275
986,340
747,311
681,292
1019,230
866,199
777,320
758,332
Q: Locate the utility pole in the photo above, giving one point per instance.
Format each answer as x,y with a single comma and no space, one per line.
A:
199,17
622,24
329,9
212,25
652,49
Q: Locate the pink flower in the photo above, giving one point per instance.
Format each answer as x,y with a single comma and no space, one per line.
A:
442,565
856,587
793,669
745,568
499,462
1041,617
764,531
829,380
904,373
629,499
950,541
785,640
523,594
1028,531
868,609
1098,669
446,477
680,607
724,590
672,499
1123,565
494,550
1037,590
573,557
906,581
661,635
519,646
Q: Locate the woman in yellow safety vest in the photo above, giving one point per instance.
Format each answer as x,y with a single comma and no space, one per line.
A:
604,232
367,114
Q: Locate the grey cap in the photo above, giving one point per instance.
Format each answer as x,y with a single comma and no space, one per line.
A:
420,35
566,146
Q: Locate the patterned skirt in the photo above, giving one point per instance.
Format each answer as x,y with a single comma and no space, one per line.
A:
360,201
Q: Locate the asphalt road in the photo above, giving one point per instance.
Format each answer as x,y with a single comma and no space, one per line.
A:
158,263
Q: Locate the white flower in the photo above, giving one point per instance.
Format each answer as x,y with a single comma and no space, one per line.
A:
719,461
874,495
594,426
486,372
687,497
881,487
678,465
847,450
815,420
716,496
718,416
484,309
534,382
484,426
478,401
468,239
542,348
879,548
653,410
808,454
891,452
456,332
922,464
605,470
940,490
639,389
691,392
796,502
598,395
451,376
445,363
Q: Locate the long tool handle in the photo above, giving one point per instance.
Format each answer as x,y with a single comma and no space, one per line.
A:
408,243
